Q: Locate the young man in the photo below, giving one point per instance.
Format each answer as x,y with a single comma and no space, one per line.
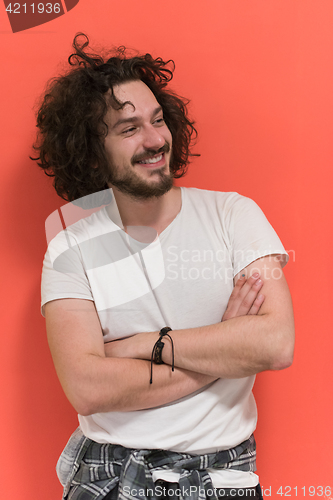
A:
163,413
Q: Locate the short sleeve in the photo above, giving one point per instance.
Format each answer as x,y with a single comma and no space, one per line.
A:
251,235
63,274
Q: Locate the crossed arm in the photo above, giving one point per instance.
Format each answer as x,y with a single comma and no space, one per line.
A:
115,377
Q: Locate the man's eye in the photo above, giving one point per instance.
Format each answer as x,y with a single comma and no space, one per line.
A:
159,121
129,130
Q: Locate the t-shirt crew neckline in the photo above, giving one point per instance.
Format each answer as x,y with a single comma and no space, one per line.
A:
165,231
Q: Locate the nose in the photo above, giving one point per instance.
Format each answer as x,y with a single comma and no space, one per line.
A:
152,138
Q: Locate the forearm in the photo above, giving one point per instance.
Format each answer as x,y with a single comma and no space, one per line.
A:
114,384
236,348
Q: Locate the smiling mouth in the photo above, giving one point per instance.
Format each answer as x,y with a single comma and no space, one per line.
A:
153,160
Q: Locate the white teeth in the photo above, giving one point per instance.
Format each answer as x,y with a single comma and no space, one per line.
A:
152,160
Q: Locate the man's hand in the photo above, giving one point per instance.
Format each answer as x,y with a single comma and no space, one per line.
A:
245,298
245,344
134,347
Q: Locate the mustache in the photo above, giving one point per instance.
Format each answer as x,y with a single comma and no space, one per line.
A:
150,153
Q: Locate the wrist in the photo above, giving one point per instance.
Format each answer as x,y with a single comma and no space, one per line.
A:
156,354
147,345
167,352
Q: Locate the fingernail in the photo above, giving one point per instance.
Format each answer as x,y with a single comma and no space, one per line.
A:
255,275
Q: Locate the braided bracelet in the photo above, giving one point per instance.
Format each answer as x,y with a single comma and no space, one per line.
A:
156,355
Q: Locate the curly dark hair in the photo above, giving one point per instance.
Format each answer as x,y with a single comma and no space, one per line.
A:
70,142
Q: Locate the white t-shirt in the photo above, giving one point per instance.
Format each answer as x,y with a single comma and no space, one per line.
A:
190,267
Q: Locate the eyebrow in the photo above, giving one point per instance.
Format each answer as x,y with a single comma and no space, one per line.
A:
134,119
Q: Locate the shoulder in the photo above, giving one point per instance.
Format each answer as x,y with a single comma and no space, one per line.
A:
79,227
67,241
227,203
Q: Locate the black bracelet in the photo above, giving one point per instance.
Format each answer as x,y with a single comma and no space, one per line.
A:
156,355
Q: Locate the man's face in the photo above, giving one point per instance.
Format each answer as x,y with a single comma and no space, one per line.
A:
138,144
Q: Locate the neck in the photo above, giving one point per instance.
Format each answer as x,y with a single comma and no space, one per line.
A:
157,212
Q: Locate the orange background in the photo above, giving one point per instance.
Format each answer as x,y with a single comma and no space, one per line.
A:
259,74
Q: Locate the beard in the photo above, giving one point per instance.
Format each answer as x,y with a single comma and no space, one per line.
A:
130,183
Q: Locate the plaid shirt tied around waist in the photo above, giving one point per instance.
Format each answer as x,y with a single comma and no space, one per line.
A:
98,468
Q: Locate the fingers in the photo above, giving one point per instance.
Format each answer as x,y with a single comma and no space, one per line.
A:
245,298
257,304
248,294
